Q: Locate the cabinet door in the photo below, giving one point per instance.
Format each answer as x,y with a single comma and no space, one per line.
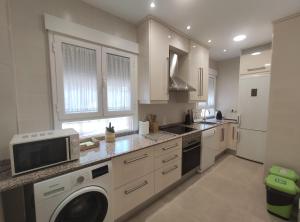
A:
222,138
133,194
250,63
232,136
198,72
159,61
179,42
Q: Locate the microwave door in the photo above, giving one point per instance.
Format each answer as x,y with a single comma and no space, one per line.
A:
39,154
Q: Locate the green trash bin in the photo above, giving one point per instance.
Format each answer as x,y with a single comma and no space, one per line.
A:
284,172
281,193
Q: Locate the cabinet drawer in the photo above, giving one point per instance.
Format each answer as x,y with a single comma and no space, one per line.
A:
132,166
131,195
167,175
167,158
168,147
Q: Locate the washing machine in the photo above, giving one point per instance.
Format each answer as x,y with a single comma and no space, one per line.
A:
82,195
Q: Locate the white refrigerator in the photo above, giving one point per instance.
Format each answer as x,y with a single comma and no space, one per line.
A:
253,116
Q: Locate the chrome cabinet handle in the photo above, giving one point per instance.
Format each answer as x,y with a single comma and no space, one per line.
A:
170,159
233,133
199,81
169,147
238,136
169,170
135,159
256,68
136,188
168,72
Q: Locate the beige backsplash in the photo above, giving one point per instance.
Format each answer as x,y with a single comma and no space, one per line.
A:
173,112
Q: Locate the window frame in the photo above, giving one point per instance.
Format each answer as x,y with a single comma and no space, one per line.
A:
56,70
204,105
58,41
106,51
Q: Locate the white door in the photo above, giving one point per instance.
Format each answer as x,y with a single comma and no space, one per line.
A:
253,101
251,145
209,145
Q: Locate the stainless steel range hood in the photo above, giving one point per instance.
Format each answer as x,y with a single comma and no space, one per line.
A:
176,82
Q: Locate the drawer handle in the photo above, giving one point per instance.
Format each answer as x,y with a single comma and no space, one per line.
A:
135,159
170,159
257,68
170,170
136,188
169,147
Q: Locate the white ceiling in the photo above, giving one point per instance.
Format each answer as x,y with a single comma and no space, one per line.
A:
218,20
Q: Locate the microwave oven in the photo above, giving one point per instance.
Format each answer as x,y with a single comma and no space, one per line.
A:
33,151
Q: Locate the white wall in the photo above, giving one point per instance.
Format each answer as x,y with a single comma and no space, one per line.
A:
227,85
31,50
283,142
166,113
8,121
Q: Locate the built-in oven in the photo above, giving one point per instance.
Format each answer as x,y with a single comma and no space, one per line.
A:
191,152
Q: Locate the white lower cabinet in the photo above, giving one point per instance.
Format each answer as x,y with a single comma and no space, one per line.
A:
132,194
167,175
132,166
210,143
139,175
222,134
232,136
162,160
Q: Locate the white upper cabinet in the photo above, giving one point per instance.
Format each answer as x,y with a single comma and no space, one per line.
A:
155,41
153,75
256,62
179,42
198,72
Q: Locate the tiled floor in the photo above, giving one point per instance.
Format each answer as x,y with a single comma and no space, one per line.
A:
231,191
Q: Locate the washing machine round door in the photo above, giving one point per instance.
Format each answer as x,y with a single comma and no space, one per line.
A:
89,204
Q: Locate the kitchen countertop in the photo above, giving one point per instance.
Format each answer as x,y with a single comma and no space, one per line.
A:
105,152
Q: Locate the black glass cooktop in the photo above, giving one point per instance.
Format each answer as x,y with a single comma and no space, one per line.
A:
178,129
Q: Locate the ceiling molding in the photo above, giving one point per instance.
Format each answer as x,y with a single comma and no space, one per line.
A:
65,27
286,18
171,28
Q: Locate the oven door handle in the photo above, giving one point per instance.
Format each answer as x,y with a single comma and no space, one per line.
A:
190,149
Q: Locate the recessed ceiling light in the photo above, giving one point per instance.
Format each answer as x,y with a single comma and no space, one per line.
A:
194,46
188,27
152,5
169,36
239,38
267,64
256,53
209,41
225,50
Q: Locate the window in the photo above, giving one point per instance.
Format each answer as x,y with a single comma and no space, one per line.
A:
208,108
92,86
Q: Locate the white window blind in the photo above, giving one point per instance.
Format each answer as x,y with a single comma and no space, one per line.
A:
211,92
208,108
118,83
80,79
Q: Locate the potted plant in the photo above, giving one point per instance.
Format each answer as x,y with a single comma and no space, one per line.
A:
110,135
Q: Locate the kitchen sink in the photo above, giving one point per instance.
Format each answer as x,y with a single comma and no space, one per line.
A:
208,123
